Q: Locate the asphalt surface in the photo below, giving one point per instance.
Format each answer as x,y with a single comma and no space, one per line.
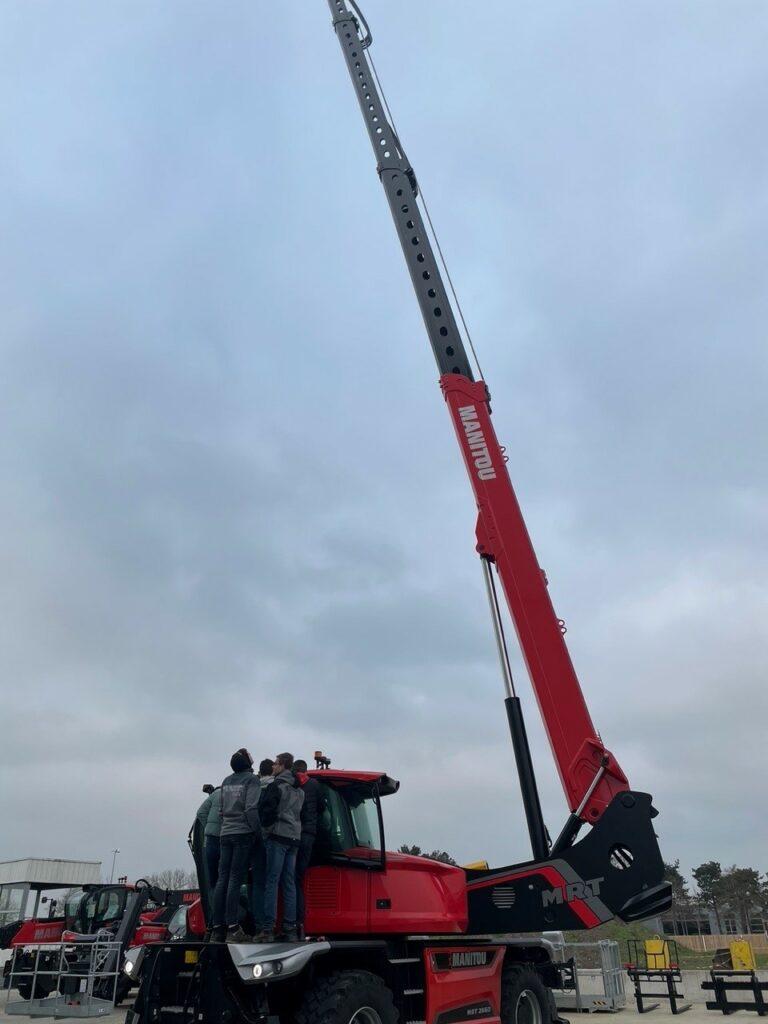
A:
697,1014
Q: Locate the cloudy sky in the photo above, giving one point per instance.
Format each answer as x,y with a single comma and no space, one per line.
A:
232,510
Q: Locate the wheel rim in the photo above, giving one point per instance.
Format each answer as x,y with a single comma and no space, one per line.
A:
528,1008
365,1015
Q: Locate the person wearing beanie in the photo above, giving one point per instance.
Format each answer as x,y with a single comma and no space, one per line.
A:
239,826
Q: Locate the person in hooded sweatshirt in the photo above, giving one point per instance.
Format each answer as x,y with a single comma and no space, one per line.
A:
310,811
280,812
239,825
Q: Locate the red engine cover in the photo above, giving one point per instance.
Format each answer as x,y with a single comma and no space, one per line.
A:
413,894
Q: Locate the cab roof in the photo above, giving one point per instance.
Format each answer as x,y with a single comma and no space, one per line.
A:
336,777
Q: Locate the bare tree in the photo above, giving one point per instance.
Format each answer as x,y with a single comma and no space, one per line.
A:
174,878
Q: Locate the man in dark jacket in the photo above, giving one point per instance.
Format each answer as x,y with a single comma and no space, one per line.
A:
310,811
259,854
209,816
280,814
239,825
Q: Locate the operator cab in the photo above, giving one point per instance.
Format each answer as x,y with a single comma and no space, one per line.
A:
353,885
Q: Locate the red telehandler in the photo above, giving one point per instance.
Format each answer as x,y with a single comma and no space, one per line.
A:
403,938
131,914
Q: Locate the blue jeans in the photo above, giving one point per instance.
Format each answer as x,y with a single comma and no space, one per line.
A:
281,873
233,866
212,853
302,863
258,880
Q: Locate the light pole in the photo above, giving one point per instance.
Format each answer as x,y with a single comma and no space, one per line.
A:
114,858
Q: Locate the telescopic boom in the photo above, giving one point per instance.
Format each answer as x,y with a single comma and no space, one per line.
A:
589,773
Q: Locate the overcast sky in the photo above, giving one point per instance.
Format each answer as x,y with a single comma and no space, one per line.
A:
232,510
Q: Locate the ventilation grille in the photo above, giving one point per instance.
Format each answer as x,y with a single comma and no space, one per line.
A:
323,893
503,897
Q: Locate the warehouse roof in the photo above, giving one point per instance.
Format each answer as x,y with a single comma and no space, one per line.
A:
46,873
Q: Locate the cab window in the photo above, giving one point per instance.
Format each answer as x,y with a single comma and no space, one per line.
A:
348,825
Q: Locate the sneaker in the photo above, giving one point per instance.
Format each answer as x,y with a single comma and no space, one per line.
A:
301,933
288,934
236,934
218,934
265,935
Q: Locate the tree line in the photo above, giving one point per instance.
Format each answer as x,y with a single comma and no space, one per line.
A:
743,891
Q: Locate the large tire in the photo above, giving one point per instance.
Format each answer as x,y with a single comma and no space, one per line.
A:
122,988
41,991
348,997
524,997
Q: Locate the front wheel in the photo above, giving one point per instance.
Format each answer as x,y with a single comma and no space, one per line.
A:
41,991
524,998
348,997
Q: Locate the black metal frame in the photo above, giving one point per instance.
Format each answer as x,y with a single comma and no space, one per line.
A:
723,981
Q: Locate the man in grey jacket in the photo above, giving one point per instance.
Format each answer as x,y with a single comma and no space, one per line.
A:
280,813
239,825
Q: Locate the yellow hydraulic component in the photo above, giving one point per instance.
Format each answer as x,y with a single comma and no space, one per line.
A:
657,954
742,956
476,865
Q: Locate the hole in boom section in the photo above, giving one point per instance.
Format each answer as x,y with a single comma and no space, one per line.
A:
455,369
426,275
404,209
431,293
409,223
449,351
444,332
420,257
437,311
399,192
415,240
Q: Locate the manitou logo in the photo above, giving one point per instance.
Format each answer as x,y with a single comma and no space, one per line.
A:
574,891
469,959
476,442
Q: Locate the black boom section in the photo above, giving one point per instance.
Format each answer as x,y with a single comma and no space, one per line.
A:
616,870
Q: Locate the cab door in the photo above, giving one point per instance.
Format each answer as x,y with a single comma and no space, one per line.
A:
348,850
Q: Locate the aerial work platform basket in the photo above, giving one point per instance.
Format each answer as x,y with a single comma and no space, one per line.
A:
64,979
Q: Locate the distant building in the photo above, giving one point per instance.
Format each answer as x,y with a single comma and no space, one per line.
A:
19,878
696,919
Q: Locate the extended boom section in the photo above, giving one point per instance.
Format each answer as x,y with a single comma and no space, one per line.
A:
616,869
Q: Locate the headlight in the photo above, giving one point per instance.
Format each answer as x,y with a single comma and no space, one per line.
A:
128,967
267,970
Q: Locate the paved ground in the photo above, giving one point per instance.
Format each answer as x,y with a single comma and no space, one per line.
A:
698,1014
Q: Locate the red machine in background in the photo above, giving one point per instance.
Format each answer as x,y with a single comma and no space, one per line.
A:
134,914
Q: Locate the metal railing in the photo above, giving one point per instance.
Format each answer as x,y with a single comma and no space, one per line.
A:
64,979
596,978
